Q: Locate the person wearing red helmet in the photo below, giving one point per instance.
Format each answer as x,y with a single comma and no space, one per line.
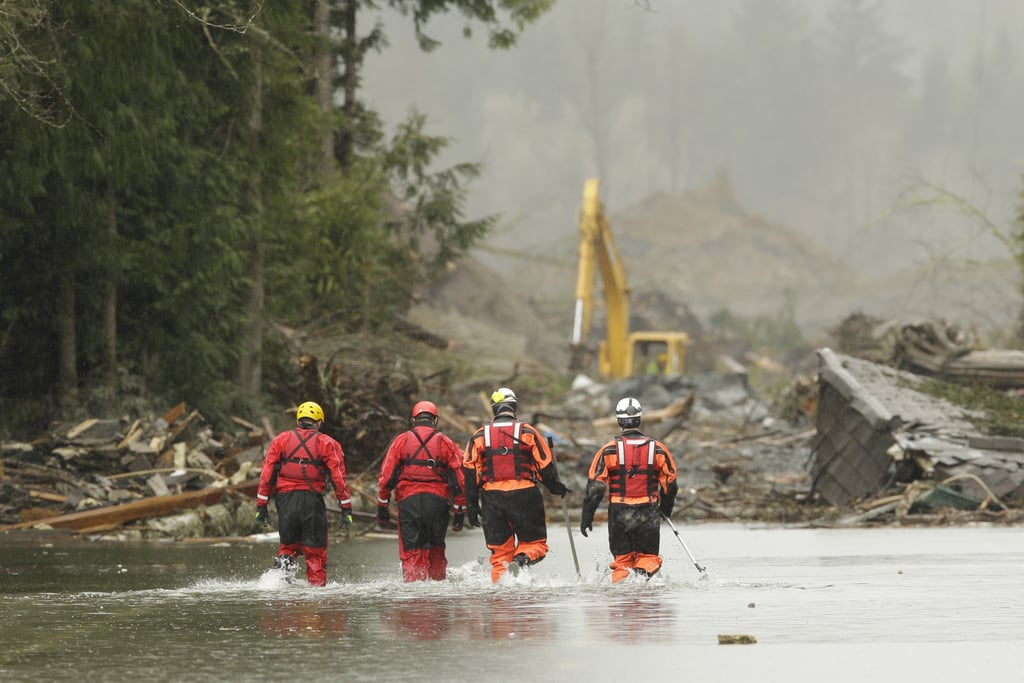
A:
296,469
423,467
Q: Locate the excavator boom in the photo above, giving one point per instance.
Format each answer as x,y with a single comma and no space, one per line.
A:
598,254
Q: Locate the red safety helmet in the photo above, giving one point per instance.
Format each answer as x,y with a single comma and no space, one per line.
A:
424,407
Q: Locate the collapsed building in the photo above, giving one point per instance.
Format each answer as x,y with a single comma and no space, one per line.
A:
876,428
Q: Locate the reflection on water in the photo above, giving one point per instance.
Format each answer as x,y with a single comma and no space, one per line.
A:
813,599
640,619
304,618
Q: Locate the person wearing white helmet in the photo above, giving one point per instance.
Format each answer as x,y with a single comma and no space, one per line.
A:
296,469
424,469
504,460
639,474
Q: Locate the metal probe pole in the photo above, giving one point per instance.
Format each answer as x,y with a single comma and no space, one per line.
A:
683,543
565,514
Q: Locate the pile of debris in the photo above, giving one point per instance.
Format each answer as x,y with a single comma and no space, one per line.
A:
930,347
887,447
99,474
857,444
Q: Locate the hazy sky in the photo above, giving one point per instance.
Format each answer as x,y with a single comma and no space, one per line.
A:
645,81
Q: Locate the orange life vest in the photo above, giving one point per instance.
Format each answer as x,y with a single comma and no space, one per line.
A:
504,455
635,475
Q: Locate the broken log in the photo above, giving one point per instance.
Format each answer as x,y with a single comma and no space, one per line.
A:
140,509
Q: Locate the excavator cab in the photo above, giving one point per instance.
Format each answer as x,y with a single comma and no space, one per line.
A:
657,353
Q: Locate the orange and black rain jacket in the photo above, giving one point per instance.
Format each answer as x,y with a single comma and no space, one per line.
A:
636,469
422,460
303,460
507,454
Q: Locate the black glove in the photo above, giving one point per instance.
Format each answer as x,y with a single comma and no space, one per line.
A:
262,515
559,489
586,523
473,516
665,505
345,523
460,517
383,517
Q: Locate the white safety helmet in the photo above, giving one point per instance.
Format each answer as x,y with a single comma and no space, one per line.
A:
628,412
503,400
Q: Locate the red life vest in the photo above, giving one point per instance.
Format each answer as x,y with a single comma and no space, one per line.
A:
635,475
419,464
302,462
504,456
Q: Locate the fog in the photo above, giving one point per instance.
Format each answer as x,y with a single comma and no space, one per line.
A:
845,120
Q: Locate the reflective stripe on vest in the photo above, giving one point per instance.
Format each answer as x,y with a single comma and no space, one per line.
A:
509,460
634,478
294,465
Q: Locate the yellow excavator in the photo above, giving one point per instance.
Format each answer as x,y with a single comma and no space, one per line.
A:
621,353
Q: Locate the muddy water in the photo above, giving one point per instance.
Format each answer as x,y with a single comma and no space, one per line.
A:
824,605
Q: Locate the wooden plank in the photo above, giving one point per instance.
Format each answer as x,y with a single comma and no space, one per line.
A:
134,432
45,495
677,408
174,413
80,427
129,512
244,423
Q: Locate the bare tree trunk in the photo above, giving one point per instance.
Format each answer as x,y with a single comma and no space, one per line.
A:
324,85
67,345
250,369
349,84
110,311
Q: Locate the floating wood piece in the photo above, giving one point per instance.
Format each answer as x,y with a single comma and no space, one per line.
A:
129,512
736,639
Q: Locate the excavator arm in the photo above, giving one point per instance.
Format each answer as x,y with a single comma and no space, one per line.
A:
598,253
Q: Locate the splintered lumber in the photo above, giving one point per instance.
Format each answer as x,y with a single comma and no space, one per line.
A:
939,349
679,407
174,413
81,427
46,495
140,509
450,418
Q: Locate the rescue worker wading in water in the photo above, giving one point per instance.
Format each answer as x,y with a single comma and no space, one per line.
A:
640,477
424,469
503,461
295,471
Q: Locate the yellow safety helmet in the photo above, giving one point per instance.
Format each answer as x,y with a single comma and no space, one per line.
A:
310,410
503,400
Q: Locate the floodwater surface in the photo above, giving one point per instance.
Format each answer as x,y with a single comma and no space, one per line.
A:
823,605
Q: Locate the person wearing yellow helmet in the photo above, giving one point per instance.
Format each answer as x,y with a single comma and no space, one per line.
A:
296,469
504,460
423,467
